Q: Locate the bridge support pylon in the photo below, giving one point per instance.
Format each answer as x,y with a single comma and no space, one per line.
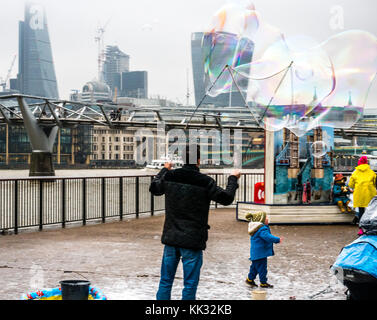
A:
42,140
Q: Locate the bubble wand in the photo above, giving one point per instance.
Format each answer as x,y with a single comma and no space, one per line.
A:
239,90
209,90
277,88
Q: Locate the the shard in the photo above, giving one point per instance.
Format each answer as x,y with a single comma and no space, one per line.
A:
36,67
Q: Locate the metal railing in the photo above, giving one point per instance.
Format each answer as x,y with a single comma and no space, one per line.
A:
38,202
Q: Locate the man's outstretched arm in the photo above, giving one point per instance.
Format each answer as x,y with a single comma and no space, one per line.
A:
225,196
157,185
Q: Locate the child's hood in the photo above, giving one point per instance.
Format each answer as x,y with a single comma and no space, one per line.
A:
254,227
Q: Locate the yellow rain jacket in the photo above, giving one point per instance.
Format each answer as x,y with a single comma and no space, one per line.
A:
363,181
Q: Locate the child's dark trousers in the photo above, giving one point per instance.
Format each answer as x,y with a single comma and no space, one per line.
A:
258,267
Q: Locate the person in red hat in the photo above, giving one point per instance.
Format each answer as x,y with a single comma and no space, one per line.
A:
363,182
341,192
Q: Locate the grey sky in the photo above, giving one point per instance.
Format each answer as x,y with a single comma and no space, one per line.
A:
156,34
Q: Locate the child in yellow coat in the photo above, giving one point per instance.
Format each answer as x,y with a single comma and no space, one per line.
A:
363,182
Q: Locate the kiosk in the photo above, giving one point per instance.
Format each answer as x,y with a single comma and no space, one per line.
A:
298,178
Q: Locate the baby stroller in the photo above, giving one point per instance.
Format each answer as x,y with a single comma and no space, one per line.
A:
356,265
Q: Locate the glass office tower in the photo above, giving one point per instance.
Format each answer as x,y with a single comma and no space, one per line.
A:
222,100
135,84
36,67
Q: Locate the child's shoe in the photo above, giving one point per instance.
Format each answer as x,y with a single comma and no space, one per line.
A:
266,285
341,207
251,283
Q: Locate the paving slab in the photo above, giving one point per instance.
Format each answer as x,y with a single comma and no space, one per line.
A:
123,259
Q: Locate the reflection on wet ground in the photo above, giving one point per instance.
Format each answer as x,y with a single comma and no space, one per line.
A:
123,259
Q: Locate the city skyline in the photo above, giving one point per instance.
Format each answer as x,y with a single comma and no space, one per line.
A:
157,35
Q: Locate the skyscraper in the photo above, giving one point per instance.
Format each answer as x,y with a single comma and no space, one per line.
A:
222,100
36,67
135,84
116,62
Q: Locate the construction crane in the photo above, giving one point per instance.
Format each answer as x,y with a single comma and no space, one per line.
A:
101,48
115,97
3,83
188,89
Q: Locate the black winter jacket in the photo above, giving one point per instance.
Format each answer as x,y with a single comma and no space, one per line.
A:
188,194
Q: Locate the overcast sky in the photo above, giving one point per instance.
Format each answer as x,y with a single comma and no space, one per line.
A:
156,34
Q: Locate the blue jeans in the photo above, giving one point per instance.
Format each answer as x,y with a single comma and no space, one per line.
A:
192,261
258,267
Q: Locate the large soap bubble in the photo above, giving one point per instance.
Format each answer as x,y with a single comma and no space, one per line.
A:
294,82
318,149
230,41
354,58
287,97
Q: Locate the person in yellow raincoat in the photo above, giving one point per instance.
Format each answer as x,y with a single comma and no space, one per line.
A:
363,181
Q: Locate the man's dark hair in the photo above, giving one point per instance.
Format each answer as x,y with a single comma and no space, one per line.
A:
191,157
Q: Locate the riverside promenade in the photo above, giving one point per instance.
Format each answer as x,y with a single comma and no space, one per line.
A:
123,259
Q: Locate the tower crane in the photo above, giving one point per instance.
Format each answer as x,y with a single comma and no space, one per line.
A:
188,89
101,50
3,83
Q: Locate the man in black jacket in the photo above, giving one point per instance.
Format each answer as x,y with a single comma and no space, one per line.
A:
188,194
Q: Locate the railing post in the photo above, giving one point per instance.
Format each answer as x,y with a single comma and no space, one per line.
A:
103,200
16,207
216,179
137,197
84,201
121,198
244,187
40,205
63,203
152,200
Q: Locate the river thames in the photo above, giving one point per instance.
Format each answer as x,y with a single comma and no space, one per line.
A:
6,174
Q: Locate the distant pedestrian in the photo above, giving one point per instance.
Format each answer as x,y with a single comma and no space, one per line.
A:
119,114
188,194
58,112
261,247
363,181
113,115
307,192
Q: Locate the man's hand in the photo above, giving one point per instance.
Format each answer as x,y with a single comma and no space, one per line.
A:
168,165
236,173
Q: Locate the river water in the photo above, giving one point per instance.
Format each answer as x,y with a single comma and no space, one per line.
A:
6,174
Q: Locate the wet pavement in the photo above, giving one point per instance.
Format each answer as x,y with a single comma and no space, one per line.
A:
123,259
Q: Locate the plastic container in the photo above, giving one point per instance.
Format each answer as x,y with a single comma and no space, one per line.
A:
258,295
259,192
75,289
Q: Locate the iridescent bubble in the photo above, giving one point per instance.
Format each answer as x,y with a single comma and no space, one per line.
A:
230,41
324,86
304,73
293,82
354,58
318,149
224,49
